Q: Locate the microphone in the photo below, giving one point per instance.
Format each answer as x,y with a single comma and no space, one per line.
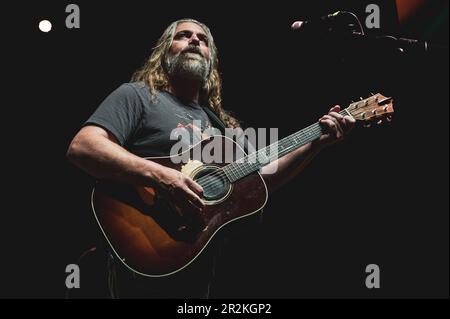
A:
354,33
320,23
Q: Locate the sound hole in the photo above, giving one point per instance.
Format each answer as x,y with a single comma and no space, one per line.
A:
214,183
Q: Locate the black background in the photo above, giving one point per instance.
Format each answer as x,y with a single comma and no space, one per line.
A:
381,196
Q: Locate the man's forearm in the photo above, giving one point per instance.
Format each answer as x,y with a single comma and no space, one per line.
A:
279,172
104,159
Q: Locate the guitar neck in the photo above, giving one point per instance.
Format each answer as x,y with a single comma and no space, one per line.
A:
254,161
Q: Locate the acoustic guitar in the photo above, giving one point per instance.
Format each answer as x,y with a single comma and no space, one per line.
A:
152,237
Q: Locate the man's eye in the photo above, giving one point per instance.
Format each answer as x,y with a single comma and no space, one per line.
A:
182,35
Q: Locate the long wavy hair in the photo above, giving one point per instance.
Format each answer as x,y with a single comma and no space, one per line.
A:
153,72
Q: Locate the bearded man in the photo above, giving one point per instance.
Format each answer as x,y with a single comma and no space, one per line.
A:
179,84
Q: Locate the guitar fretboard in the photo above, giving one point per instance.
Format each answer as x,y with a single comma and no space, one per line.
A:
254,161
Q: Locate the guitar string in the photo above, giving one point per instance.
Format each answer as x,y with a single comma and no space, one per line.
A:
298,133
250,157
216,177
219,174
220,178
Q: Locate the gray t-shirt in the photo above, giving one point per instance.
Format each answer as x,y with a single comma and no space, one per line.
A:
143,125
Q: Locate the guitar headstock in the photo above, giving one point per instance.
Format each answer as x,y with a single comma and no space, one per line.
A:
372,109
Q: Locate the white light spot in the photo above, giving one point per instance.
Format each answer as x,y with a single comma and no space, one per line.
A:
45,26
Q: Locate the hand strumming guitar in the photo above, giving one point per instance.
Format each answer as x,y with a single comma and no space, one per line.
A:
180,189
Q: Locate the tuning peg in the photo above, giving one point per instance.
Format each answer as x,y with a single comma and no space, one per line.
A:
361,98
389,118
385,101
379,122
371,93
367,125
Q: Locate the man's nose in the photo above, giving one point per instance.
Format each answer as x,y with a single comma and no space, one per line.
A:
194,40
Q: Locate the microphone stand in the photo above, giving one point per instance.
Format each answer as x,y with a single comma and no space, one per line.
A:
353,32
402,45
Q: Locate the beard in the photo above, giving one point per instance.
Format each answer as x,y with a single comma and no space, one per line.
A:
188,64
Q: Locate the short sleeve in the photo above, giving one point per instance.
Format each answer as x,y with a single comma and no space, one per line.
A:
120,113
